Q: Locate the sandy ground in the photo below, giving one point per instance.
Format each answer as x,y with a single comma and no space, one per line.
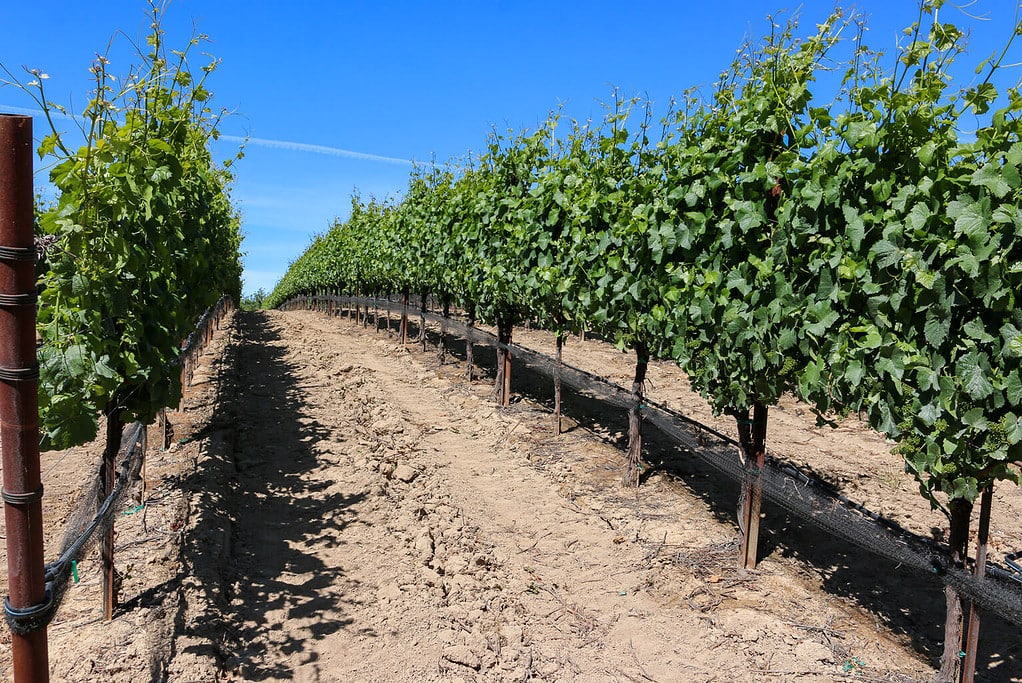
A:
335,507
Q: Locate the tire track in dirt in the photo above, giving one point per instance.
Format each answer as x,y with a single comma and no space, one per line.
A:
373,551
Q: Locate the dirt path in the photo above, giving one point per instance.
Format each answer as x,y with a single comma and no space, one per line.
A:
390,524
337,508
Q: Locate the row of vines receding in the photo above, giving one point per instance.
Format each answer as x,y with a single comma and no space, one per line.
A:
826,221
141,238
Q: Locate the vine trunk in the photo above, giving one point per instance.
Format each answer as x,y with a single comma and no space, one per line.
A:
752,437
633,468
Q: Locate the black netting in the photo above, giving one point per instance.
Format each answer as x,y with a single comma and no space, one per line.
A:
84,527
87,524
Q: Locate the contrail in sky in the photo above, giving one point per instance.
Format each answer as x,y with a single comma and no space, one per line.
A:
316,149
260,142
7,109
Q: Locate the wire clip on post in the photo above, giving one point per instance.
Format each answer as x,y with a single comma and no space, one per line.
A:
25,621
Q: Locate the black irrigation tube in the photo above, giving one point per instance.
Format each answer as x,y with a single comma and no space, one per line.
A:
136,439
1013,562
133,445
200,336
667,419
56,573
208,317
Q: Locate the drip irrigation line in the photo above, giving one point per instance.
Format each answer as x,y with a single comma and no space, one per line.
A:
201,327
133,446
57,573
1013,562
136,439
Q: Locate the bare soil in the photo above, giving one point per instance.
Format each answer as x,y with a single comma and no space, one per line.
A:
336,507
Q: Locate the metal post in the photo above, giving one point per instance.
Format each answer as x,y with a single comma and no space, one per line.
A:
19,399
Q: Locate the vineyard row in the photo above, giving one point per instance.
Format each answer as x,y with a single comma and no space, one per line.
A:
855,248
785,485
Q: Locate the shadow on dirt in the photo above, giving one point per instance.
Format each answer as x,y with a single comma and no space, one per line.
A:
903,600
257,511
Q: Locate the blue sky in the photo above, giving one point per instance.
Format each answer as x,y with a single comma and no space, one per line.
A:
342,95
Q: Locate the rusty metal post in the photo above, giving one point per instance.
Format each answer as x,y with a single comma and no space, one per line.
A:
19,399
505,391
499,394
